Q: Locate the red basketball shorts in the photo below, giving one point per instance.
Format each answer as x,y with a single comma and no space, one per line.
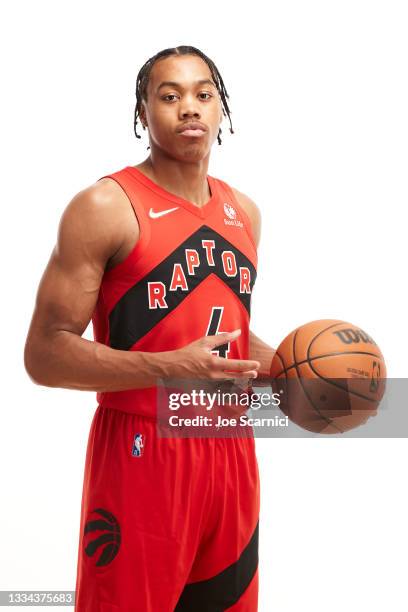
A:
167,524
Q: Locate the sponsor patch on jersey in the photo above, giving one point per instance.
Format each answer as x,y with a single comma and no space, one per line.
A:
138,445
230,212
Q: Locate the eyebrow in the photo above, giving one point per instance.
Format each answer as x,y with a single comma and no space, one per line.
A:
175,84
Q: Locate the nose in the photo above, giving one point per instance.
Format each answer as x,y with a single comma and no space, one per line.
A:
189,107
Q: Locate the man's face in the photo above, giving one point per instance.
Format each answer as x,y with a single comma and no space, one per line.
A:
170,106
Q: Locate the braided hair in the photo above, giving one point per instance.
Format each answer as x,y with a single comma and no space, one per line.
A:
144,73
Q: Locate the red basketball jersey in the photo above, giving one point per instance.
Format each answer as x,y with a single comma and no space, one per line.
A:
191,274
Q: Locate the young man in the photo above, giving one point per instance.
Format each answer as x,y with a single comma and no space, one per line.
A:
162,257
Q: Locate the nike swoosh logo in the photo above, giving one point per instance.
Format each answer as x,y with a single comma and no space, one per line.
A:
155,215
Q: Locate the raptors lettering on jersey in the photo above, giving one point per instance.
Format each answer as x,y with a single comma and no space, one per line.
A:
226,266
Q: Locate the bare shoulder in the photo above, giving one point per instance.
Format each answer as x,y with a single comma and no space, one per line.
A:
252,210
100,201
101,216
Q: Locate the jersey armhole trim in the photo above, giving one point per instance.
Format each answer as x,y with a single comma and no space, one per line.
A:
144,231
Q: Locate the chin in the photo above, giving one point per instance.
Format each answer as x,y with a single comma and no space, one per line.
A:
190,153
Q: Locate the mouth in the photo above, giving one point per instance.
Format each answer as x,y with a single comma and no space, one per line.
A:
194,129
195,133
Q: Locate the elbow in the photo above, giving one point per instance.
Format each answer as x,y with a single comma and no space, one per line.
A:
34,364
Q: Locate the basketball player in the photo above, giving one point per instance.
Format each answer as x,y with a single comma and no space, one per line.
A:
162,258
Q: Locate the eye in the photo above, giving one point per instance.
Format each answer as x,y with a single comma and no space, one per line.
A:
169,95
205,93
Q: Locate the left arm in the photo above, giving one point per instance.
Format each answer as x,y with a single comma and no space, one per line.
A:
258,349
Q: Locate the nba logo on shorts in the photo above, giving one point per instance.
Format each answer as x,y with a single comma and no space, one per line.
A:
138,445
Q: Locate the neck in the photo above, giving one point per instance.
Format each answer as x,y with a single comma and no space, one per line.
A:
186,180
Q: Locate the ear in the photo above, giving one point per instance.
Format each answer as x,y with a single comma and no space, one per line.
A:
142,116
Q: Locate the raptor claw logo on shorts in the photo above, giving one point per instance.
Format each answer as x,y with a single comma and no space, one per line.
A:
138,445
106,541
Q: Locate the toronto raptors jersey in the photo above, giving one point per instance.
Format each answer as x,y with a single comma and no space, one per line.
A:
191,274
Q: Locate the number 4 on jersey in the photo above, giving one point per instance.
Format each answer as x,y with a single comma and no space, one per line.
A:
214,328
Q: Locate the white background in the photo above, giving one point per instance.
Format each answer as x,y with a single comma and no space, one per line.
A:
319,99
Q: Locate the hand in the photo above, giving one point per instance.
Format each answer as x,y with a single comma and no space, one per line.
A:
195,360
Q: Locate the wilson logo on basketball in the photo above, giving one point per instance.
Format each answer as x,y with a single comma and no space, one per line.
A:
105,546
348,336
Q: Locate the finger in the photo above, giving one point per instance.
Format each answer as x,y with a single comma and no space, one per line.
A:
221,338
235,375
236,364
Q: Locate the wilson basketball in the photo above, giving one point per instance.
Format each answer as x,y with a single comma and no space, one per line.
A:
330,376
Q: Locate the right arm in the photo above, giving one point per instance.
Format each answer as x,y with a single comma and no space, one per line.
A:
56,355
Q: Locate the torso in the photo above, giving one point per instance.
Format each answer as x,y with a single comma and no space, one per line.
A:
187,274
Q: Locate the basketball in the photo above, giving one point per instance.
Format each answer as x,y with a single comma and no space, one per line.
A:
330,376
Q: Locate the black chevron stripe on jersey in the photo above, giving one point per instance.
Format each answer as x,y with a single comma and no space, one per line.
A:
131,318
